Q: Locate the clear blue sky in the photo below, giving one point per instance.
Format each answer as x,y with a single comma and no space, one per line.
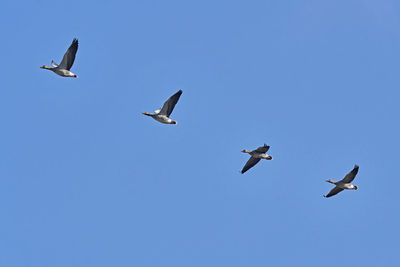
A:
87,180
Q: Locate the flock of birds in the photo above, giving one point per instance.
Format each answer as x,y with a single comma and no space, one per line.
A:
163,115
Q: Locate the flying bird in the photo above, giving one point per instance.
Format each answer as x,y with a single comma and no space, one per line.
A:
345,183
256,156
162,115
66,62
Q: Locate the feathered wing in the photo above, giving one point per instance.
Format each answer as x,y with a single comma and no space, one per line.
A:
351,175
54,64
250,163
334,191
69,56
262,149
169,105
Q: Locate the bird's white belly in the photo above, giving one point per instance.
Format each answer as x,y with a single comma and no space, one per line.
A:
260,156
65,73
162,119
347,186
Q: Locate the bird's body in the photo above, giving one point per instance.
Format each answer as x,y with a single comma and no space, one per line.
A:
345,183
61,72
256,156
162,115
259,155
68,60
65,73
160,118
346,186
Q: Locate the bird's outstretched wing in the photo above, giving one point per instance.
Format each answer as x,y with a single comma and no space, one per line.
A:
250,163
334,191
262,149
169,105
69,56
351,175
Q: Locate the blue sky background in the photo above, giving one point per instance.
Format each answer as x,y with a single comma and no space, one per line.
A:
87,180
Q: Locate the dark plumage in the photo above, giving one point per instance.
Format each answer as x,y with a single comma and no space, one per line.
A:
250,163
351,175
334,191
169,105
69,56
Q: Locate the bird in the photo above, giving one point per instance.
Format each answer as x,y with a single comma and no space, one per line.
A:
345,183
162,115
256,156
66,63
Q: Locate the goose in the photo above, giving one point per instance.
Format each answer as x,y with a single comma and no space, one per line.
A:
256,156
162,115
66,62
345,183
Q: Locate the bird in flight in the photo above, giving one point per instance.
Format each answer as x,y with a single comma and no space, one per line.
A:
66,63
162,115
345,183
256,156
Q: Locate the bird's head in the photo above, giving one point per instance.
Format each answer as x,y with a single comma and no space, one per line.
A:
355,187
75,76
174,122
245,151
45,67
269,157
330,181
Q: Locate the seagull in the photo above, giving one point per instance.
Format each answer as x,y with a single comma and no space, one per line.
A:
66,62
162,115
345,183
256,156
